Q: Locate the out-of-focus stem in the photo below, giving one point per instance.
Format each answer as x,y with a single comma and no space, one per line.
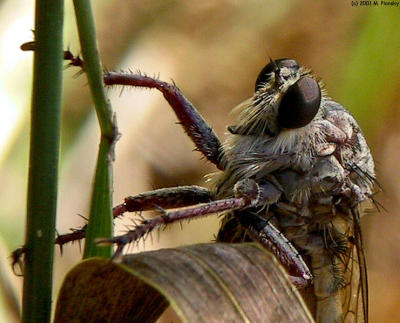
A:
43,161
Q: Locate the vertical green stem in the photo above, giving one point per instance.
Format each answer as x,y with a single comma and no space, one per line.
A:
93,69
43,161
100,218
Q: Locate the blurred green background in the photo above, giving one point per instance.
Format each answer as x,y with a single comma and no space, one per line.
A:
213,50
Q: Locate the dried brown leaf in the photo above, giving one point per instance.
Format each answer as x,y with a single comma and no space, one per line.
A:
203,283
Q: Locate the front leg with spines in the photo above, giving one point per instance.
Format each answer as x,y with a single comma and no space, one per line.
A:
195,126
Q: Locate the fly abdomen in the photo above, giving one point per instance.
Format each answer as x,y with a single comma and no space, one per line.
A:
328,280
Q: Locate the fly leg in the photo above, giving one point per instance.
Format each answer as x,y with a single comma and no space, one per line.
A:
172,197
167,198
247,195
195,126
264,232
272,239
189,213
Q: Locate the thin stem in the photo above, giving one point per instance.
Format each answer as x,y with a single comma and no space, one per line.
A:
43,161
100,219
93,69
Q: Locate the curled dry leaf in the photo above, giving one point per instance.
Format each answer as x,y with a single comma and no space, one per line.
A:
203,283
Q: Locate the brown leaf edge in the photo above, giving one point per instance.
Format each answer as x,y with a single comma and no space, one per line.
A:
212,282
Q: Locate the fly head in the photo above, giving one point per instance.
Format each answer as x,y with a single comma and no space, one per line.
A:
287,96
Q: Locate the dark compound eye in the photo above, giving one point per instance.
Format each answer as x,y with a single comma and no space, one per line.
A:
265,74
299,104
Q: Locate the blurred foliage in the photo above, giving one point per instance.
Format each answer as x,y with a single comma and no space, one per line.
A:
213,50
366,84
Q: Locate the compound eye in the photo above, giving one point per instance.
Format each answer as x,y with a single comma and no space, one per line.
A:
299,104
266,73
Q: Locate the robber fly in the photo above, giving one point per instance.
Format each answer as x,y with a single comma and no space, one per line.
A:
293,172
309,146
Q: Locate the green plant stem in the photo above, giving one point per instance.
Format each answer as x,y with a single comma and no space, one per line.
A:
100,218
43,161
93,69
